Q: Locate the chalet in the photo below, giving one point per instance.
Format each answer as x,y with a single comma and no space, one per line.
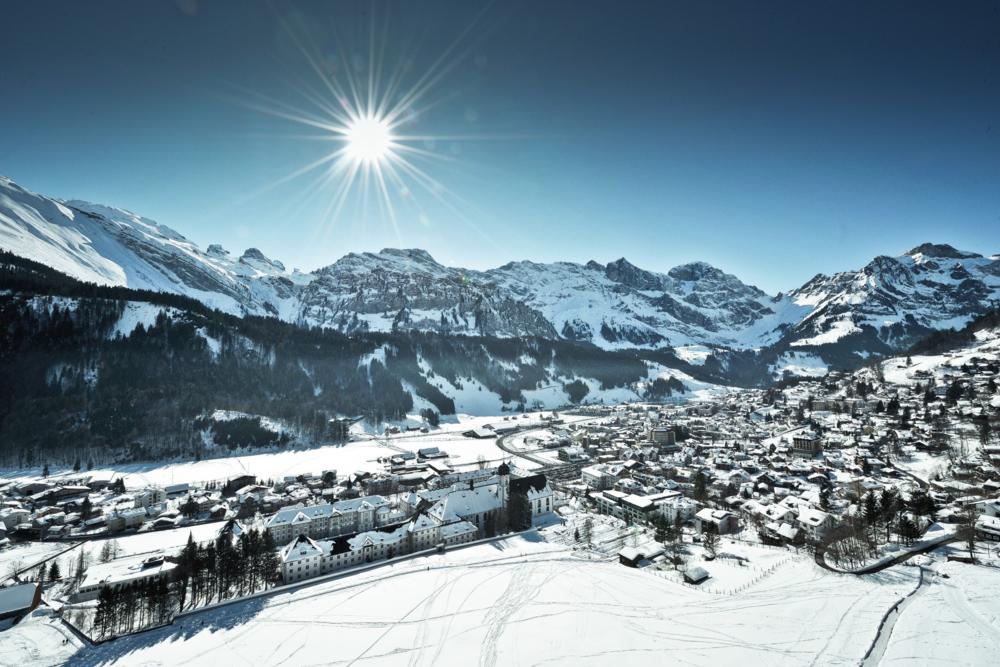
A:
988,528
634,556
814,523
721,522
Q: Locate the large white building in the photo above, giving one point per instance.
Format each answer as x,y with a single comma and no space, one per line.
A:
305,557
455,515
343,517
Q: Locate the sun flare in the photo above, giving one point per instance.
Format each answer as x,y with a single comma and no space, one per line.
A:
369,140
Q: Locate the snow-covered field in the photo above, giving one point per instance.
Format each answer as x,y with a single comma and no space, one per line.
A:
802,364
523,602
38,640
25,554
953,621
144,543
897,371
360,454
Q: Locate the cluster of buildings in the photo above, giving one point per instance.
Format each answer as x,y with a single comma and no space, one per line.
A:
794,462
461,508
72,505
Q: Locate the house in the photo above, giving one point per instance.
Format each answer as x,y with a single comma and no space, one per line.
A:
125,519
599,477
633,556
695,575
17,601
721,522
431,453
814,523
571,454
988,528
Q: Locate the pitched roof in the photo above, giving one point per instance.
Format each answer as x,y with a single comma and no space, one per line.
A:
16,598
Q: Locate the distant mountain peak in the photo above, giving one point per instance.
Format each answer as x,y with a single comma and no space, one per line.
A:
694,271
624,272
254,257
410,253
941,250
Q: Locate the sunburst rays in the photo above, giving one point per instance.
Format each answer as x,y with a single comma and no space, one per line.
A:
380,159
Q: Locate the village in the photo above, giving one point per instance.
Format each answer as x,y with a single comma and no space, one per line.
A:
860,471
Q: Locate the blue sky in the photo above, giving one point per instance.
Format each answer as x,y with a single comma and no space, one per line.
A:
775,140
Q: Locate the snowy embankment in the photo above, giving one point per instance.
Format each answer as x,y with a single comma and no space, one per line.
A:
520,602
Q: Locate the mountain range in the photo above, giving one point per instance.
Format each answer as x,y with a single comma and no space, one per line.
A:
698,311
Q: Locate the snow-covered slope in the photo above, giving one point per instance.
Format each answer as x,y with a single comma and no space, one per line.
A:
898,299
880,308
110,246
619,305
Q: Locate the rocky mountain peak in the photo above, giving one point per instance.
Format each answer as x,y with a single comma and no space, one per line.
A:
254,257
695,271
624,272
409,253
942,251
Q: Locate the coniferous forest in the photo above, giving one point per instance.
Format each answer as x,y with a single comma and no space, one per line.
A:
76,388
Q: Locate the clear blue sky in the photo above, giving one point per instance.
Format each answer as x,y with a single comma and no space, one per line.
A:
773,139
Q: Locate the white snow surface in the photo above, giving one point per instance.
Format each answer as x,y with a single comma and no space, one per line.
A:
525,602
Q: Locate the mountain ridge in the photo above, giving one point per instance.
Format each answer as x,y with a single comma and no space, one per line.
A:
884,306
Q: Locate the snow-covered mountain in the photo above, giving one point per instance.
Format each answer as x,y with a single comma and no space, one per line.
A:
882,307
110,246
898,299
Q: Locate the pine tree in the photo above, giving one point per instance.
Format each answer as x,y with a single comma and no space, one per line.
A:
54,572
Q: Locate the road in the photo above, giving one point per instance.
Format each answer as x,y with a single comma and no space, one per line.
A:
882,565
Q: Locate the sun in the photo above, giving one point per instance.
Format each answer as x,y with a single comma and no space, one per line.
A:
369,140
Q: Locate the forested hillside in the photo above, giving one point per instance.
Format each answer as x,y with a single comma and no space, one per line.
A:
95,373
